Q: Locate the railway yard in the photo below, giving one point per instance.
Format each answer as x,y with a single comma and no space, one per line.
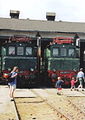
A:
42,104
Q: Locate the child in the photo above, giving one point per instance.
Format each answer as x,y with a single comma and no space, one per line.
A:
73,81
59,85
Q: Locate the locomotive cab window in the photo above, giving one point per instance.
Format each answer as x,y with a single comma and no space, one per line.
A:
11,50
28,51
20,51
55,51
63,51
71,52
4,52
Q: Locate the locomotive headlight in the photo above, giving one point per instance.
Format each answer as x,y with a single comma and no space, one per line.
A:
9,69
20,44
32,69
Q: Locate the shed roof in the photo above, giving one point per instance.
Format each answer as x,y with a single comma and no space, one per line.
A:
41,25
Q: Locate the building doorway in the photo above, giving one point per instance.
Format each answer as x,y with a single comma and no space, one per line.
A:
82,54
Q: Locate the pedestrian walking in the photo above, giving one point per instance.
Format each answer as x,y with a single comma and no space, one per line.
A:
73,82
12,82
59,85
80,78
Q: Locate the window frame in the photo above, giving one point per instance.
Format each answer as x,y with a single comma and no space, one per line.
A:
73,54
56,55
31,51
10,50
19,51
63,50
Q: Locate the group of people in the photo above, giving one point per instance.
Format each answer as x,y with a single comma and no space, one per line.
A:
79,78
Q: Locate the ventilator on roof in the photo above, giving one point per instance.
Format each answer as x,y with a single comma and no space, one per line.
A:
14,14
50,16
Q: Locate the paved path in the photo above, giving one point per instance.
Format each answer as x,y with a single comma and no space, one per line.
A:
7,108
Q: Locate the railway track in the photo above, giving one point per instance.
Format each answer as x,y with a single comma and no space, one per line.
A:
37,108
42,104
58,113
72,110
79,101
73,102
48,106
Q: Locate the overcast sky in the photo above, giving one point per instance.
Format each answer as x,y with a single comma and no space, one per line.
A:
66,10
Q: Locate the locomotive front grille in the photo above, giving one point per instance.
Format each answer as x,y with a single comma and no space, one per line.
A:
24,63
63,64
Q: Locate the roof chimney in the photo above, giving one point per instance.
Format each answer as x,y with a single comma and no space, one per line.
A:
14,14
50,16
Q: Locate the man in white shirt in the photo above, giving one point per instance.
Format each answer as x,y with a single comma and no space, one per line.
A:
80,78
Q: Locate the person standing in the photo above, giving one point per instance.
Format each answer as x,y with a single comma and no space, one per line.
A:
54,78
12,84
59,85
80,78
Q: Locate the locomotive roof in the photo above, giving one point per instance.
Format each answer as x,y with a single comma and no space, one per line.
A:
41,25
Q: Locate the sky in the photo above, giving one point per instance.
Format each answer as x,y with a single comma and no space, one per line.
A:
66,10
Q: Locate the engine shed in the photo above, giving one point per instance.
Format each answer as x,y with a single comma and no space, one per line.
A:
41,33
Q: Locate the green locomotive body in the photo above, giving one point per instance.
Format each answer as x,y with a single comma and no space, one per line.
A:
62,59
23,55
40,65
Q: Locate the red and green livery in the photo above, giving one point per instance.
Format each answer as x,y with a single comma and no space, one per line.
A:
62,59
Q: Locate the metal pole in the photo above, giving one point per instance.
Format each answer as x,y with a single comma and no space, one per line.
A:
38,53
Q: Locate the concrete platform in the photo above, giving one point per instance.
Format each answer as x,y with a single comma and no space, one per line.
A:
7,108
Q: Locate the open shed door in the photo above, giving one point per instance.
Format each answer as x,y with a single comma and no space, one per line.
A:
82,53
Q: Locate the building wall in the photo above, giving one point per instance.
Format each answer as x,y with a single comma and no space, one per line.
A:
32,34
